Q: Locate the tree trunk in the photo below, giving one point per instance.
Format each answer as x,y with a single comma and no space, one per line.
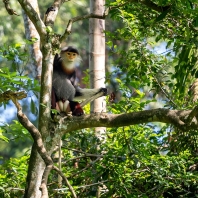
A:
35,62
36,164
97,58
35,173
97,65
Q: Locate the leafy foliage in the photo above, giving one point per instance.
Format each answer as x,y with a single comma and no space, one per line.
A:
153,56
12,177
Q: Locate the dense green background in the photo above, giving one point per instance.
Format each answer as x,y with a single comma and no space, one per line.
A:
151,61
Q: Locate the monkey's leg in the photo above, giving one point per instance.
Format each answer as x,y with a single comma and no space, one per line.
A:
63,106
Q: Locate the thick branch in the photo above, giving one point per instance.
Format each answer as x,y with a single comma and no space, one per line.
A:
174,117
35,135
52,12
34,17
192,114
8,8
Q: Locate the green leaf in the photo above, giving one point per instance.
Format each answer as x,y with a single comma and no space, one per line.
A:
161,16
33,107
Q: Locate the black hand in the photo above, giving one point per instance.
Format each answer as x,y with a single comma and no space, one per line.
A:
104,90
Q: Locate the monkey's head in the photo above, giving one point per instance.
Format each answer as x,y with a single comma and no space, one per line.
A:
70,53
70,56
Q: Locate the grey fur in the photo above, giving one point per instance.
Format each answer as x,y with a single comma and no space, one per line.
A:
62,86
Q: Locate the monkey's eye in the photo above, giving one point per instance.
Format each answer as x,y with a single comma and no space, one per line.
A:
71,54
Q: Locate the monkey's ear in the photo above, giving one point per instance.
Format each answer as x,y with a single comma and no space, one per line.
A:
56,60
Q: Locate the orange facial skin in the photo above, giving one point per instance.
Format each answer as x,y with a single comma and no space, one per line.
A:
71,56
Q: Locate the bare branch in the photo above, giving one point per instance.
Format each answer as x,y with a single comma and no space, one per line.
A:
85,186
79,18
165,92
39,145
52,12
174,117
94,184
8,8
192,114
43,186
85,155
66,181
87,166
34,17
35,135
106,12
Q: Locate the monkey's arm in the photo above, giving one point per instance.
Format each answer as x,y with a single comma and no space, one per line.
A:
82,94
88,100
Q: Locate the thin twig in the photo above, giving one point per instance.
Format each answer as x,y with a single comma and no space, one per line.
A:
79,18
66,181
8,8
164,92
89,165
85,186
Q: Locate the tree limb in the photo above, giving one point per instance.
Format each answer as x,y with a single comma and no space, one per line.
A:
148,3
8,8
52,12
8,95
174,117
79,18
34,17
40,148
66,181
192,114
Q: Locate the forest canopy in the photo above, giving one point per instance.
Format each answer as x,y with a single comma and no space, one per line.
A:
149,145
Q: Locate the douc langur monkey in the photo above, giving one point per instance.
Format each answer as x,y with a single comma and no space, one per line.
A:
64,88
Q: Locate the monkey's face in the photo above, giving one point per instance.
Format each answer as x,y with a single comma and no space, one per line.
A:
71,56
69,60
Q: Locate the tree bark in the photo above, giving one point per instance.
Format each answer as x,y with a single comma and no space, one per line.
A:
35,62
182,119
36,164
97,65
97,58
